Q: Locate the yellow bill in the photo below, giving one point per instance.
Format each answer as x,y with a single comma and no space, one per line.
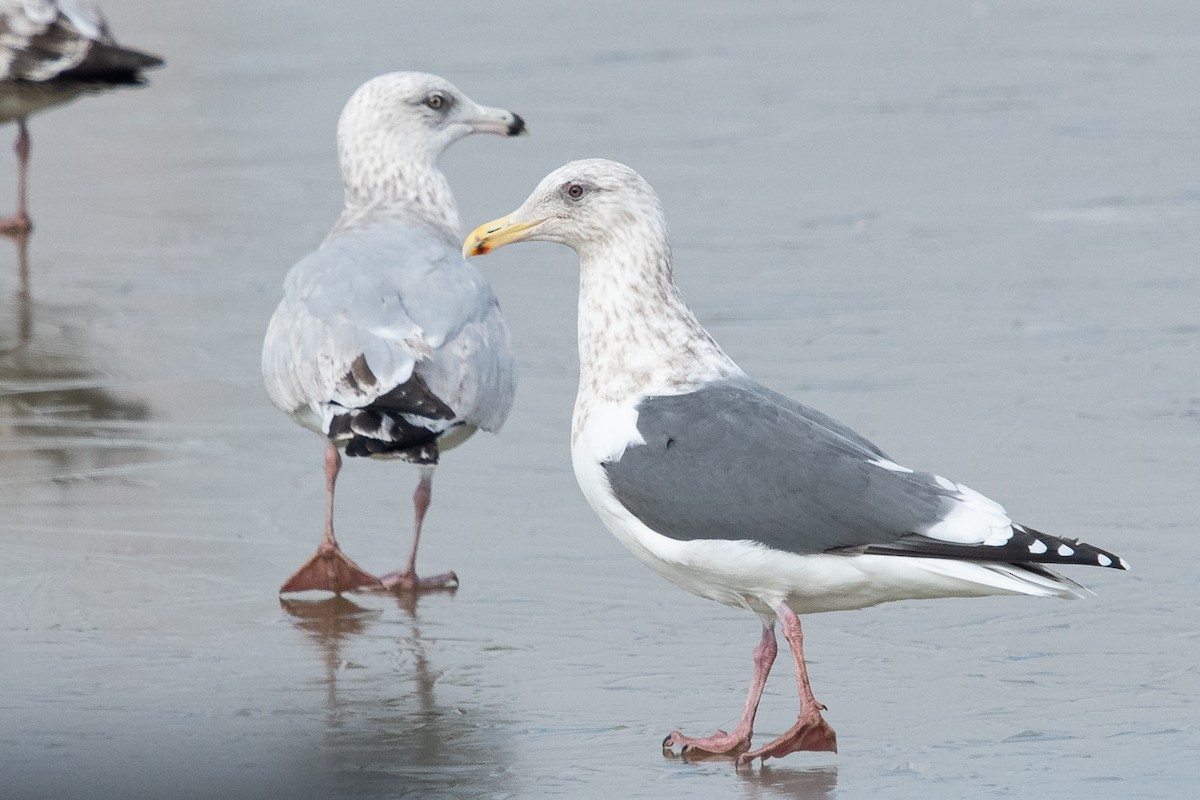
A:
495,234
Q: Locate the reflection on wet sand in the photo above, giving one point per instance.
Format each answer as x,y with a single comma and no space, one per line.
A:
24,316
394,728
328,622
52,402
817,783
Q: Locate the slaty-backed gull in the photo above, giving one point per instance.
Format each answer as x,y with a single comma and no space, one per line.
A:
735,492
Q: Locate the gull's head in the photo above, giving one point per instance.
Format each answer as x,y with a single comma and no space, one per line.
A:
585,205
417,115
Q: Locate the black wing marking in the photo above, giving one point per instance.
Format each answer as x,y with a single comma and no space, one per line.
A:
1027,546
405,421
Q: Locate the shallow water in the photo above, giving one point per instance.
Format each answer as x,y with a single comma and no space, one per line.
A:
969,230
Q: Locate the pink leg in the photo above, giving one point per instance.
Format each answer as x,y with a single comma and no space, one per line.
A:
407,579
811,731
329,569
722,743
19,222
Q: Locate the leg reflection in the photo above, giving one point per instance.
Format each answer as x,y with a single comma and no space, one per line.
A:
389,713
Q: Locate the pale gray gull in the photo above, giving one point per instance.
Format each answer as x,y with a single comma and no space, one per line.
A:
387,342
51,51
735,492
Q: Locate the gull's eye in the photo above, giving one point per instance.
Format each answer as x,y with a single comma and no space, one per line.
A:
436,100
575,191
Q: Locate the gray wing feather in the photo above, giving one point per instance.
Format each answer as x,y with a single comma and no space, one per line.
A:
402,298
735,460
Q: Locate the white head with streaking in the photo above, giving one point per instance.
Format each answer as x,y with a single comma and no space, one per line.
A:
390,136
592,206
636,332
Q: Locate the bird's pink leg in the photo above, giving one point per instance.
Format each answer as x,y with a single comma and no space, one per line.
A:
811,731
19,222
722,743
329,569
407,579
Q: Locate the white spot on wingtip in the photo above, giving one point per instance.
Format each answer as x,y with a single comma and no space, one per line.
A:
1103,560
1064,550
1038,547
1124,563
888,465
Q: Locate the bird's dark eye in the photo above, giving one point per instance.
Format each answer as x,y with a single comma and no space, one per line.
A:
575,191
435,100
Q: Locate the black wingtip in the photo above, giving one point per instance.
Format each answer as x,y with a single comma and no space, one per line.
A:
1026,546
517,126
1073,551
113,64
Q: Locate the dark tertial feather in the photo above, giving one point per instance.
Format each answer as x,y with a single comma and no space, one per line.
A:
404,422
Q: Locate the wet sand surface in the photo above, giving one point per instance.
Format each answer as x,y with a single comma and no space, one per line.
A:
971,231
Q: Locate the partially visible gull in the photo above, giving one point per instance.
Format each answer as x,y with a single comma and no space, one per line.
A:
387,342
735,492
51,51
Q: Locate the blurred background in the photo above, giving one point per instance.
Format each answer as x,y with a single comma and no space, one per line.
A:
971,230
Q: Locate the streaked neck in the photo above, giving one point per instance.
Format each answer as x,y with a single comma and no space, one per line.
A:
381,184
636,334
